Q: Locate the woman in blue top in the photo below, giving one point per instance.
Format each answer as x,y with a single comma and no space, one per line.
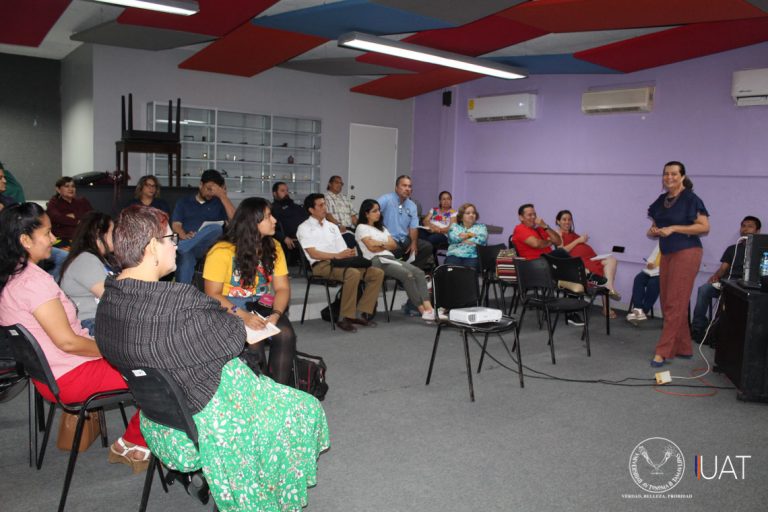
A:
148,192
464,237
679,218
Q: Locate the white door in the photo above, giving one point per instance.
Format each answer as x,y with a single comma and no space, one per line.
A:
372,162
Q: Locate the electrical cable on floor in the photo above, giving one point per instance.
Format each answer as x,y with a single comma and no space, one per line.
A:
622,382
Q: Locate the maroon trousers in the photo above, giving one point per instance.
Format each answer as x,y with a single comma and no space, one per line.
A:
677,274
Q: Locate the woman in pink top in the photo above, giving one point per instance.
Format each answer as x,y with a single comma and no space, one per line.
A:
29,296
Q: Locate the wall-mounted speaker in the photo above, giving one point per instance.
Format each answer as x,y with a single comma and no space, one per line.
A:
447,98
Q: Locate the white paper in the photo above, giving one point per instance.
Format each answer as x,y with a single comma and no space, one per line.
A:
412,257
210,223
387,261
601,256
254,336
653,272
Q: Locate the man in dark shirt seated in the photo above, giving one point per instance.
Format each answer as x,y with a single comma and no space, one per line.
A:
210,204
711,289
288,215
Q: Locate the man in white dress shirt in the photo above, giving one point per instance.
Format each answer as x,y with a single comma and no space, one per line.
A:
323,244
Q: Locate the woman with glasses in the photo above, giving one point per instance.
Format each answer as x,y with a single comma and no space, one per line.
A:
258,440
148,194
29,296
247,273
88,264
377,244
464,237
438,222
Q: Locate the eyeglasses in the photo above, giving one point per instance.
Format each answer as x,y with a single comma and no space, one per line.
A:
174,238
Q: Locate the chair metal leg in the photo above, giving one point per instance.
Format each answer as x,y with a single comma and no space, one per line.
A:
306,298
586,331
482,354
469,367
102,427
72,458
122,413
330,309
551,331
519,359
434,351
384,295
31,419
148,483
48,426
607,314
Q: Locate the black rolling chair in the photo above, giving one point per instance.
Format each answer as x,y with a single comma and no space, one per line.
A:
571,277
456,287
538,291
162,401
28,353
313,279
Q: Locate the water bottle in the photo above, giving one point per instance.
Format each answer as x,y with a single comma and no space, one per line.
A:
764,265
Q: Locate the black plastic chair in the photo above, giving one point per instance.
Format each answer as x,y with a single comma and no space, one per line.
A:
13,380
29,354
538,291
313,279
395,285
487,256
571,277
455,286
162,401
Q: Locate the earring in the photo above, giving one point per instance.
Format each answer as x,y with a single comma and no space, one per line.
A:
157,262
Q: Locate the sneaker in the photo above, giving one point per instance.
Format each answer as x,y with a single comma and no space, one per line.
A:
410,310
442,314
596,279
428,316
574,319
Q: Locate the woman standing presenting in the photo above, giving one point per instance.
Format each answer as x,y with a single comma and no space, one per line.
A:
679,218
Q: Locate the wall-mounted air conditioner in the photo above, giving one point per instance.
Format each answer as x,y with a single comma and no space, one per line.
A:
617,100
750,87
502,108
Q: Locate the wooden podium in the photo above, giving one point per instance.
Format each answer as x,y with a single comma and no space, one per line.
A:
742,340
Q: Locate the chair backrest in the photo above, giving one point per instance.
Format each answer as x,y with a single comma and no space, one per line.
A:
172,134
28,353
487,255
304,261
568,272
160,399
534,275
455,286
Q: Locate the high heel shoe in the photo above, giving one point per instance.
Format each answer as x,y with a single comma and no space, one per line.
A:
124,456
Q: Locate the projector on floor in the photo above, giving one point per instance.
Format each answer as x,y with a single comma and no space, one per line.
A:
475,315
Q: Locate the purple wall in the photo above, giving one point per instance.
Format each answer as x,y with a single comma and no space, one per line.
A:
606,169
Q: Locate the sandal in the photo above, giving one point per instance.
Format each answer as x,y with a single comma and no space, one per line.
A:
124,457
614,295
611,314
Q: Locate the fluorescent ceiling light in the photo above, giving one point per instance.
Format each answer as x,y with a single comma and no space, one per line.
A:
183,7
377,44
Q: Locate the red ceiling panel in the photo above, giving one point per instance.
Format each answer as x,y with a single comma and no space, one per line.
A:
216,17
249,50
677,44
584,15
476,38
400,87
27,22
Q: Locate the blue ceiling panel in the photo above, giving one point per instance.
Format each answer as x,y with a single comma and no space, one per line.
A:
332,20
562,64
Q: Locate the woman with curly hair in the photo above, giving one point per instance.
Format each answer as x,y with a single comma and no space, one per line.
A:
247,273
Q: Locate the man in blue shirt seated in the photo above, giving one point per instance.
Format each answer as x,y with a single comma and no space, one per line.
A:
734,254
400,216
210,204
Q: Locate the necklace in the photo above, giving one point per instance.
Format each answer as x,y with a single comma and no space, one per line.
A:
669,202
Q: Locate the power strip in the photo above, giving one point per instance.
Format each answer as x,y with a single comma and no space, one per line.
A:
663,377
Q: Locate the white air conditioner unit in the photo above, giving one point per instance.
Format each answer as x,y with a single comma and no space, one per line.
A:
750,87
502,108
618,100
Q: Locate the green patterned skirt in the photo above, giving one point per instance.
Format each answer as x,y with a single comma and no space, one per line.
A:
259,442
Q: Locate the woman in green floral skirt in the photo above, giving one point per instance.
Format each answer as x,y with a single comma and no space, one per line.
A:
259,441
